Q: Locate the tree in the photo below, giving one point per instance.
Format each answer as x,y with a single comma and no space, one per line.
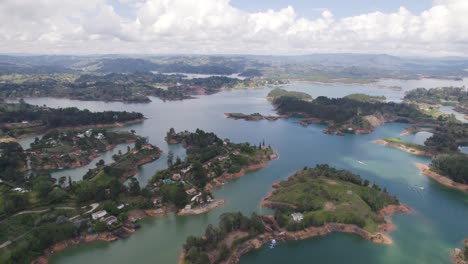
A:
62,181
181,197
42,186
134,187
199,175
170,158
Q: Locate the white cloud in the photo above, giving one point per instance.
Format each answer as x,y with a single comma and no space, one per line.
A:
214,26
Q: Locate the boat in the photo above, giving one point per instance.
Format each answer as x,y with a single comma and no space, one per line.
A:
360,162
272,243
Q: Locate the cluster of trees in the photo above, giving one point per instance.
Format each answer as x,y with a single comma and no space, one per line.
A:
341,110
12,160
199,139
366,98
454,166
442,95
134,87
447,136
306,192
58,117
40,237
196,248
276,93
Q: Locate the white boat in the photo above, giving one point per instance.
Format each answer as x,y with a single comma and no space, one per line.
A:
360,162
272,244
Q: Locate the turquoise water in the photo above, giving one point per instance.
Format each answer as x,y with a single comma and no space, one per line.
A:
439,223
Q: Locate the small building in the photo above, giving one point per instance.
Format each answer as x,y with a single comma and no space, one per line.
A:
188,207
121,206
176,177
89,133
297,217
184,171
191,191
167,181
349,192
110,220
100,136
81,135
98,214
157,202
19,190
147,147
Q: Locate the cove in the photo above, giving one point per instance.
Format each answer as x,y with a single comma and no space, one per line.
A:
438,224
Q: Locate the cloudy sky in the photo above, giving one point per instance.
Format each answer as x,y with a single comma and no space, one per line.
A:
398,27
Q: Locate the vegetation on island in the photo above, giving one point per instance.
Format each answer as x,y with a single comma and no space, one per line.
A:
129,87
456,96
326,195
38,211
366,98
73,148
453,165
216,245
209,162
277,92
311,197
344,115
17,119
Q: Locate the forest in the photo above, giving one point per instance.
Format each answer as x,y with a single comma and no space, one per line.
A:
340,110
22,118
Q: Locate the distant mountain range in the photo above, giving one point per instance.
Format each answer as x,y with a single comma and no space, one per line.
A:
328,66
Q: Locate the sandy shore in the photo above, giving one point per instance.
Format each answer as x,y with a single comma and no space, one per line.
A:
440,178
404,148
202,209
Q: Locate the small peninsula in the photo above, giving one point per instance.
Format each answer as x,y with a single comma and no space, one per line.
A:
312,202
73,148
210,162
18,120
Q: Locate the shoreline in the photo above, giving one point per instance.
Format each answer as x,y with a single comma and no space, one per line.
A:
110,125
281,235
232,176
108,236
440,178
404,148
201,210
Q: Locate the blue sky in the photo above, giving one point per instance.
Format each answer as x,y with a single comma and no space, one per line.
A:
339,8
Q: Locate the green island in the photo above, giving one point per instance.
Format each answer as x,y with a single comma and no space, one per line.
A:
133,87
19,120
312,202
353,114
210,162
460,256
276,93
59,149
453,96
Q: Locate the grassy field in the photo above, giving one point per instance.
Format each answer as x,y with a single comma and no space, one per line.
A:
323,197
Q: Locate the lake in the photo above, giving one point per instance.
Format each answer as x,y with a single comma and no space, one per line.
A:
438,224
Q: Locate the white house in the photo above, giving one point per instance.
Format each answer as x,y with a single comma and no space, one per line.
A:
99,214
297,217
